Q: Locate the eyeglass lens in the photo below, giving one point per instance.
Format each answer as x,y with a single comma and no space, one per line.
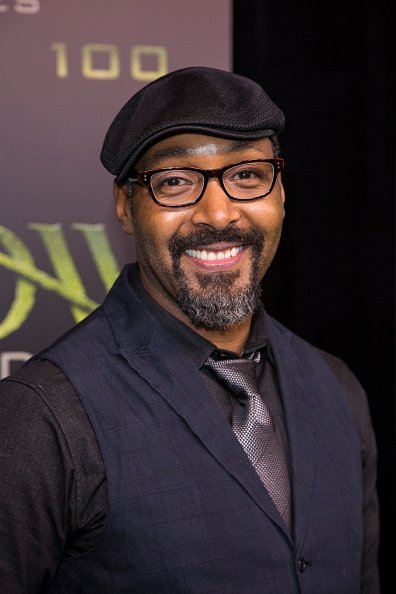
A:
242,182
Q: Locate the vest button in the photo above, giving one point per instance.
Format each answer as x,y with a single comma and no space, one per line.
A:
302,564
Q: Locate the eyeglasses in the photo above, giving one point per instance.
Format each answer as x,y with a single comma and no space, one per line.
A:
247,180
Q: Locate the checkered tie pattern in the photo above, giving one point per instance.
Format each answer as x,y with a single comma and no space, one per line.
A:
254,428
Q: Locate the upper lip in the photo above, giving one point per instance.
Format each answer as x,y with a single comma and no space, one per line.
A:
217,247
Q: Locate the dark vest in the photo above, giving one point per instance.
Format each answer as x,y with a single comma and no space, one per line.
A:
186,511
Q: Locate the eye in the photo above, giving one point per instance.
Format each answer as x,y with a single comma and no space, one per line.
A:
250,174
244,174
174,181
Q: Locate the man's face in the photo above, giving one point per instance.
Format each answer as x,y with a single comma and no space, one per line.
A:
206,260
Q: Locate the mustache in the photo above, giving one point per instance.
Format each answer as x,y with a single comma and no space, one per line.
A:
207,236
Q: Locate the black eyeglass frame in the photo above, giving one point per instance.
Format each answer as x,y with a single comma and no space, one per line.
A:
144,178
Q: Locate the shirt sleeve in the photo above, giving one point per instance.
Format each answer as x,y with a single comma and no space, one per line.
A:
50,492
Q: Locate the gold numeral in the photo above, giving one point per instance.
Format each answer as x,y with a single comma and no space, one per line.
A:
139,52
61,62
87,56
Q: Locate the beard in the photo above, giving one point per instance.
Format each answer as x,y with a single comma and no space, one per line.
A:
217,303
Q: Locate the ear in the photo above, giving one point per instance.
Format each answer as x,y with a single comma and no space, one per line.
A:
282,191
123,208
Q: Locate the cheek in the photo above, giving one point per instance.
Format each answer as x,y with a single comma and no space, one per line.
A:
155,226
268,218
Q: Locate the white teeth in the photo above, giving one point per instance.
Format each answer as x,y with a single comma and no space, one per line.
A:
208,255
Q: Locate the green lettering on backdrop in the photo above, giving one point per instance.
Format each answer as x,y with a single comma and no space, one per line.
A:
24,289
100,250
67,283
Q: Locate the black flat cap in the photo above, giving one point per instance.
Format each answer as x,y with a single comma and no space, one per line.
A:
195,99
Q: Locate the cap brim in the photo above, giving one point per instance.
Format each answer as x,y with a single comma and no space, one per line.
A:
180,129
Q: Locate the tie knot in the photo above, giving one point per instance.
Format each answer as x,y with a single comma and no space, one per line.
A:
238,375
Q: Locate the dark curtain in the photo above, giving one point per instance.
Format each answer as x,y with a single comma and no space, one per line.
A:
329,67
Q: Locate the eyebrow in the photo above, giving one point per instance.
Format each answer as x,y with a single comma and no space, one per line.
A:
182,151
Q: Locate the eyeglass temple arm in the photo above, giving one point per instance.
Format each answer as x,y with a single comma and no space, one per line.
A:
129,182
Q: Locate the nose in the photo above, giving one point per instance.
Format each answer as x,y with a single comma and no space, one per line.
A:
215,208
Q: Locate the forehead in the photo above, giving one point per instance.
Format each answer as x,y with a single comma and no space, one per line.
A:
189,148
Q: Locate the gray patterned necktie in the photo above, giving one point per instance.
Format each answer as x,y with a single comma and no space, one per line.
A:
254,428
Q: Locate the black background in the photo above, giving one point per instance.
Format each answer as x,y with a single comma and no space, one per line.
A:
329,67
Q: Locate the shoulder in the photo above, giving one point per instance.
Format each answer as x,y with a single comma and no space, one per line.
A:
39,401
41,383
344,374
23,400
357,400
34,374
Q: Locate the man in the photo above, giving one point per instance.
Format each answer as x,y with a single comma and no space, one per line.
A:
179,439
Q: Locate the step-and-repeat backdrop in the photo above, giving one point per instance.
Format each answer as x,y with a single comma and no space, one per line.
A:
66,68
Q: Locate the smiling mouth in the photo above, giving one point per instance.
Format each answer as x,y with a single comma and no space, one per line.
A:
215,255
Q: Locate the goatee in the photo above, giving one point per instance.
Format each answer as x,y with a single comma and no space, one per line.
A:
217,304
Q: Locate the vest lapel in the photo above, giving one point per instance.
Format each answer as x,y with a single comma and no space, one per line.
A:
297,397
